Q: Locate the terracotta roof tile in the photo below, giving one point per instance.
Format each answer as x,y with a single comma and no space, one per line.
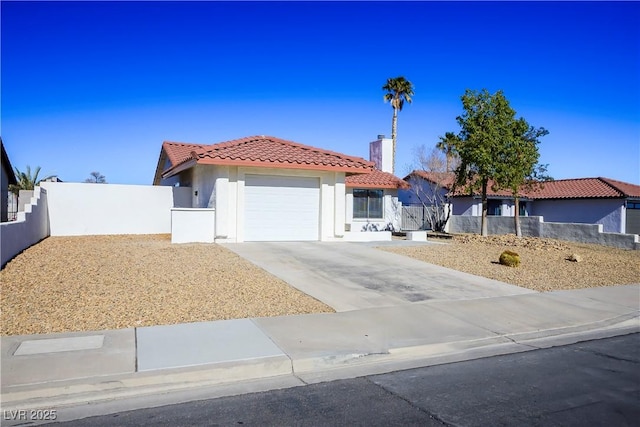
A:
266,151
629,190
580,188
178,152
585,188
375,179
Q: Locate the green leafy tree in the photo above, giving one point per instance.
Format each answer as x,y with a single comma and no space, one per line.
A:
489,143
96,178
398,91
520,170
26,181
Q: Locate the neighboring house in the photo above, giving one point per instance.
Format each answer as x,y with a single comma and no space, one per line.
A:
268,189
424,186
614,204
8,178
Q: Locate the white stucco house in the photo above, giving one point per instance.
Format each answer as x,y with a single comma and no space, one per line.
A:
263,188
613,204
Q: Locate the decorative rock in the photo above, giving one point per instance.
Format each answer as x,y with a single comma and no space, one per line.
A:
574,258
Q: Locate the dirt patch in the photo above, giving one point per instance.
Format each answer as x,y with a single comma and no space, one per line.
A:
109,282
545,264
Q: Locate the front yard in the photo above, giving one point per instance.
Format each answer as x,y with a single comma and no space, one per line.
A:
110,282
544,265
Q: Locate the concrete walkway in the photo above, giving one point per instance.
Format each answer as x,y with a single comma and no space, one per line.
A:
355,276
63,370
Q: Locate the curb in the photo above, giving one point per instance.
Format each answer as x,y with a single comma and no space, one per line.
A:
308,370
89,390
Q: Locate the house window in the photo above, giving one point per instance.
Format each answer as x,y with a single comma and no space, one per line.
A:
523,209
494,207
367,204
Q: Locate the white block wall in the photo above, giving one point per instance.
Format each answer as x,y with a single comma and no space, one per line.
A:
77,209
193,225
30,227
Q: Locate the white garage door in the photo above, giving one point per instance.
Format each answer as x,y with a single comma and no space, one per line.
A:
281,208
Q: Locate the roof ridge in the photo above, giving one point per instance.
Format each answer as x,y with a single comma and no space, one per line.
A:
606,182
275,139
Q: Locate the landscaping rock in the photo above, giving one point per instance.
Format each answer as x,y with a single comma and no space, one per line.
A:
574,258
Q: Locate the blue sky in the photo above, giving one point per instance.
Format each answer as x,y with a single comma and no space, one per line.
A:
97,86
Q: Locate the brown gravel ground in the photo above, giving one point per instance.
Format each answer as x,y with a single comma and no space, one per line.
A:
543,262
109,282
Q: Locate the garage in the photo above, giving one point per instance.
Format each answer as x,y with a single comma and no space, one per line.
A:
281,208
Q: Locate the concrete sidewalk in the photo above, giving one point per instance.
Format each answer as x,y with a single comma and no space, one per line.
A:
58,370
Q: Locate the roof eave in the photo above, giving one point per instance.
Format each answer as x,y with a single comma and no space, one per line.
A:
178,168
385,186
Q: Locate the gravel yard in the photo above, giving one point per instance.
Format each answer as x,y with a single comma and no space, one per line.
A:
110,282
544,265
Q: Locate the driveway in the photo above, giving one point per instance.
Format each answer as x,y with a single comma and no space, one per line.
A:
353,276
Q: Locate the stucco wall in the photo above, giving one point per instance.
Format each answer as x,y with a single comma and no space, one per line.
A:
77,209
30,227
537,227
530,226
607,212
464,206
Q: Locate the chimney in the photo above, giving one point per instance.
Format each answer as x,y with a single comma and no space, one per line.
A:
381,153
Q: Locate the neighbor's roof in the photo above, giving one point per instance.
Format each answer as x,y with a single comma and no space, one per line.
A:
260,151
375,179
577,188
11,175
586,188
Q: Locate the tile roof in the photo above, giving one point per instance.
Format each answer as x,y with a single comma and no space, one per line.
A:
583,188
375,179
578,188
263,151
178,152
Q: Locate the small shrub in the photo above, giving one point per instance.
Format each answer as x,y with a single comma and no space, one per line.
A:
510,259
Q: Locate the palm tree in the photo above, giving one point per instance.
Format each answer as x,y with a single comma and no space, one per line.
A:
447,145
398,91
26,181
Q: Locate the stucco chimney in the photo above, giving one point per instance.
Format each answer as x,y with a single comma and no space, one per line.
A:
381,153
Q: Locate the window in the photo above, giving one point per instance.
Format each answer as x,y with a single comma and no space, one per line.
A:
494,207
367,204
523,209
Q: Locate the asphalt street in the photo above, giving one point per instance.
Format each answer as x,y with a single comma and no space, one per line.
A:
595,383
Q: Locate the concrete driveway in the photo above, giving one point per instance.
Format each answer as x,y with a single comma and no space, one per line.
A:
353,276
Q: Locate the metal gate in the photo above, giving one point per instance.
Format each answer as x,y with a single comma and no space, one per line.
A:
415,217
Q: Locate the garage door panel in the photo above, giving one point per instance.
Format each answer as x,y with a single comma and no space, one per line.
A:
281,208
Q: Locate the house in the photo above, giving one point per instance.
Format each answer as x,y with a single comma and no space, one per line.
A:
264,188
613,204
8,178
